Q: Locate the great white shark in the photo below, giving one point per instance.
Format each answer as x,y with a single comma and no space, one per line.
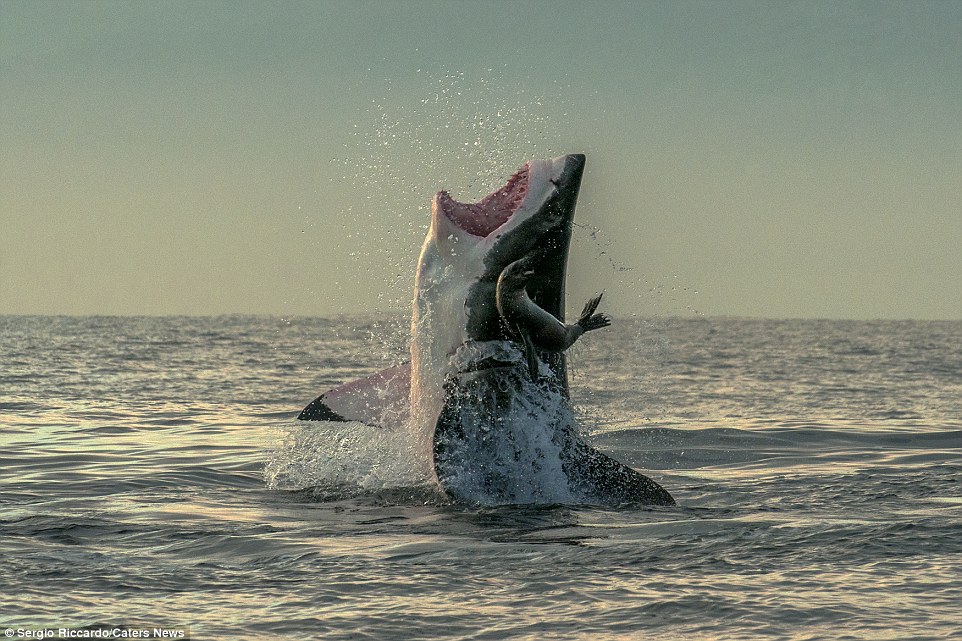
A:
485,393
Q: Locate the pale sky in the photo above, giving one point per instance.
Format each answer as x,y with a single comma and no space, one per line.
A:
754,159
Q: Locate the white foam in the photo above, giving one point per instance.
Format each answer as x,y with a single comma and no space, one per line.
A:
509,440
320,453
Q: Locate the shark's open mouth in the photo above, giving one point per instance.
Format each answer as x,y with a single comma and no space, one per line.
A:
492,211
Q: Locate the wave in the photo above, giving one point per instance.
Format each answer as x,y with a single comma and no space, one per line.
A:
780,446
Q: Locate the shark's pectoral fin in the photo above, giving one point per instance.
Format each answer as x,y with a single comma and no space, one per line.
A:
380,399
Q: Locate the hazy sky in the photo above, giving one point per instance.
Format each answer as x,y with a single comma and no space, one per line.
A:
758,159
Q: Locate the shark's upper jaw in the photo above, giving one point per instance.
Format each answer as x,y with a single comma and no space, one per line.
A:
457,225
491,212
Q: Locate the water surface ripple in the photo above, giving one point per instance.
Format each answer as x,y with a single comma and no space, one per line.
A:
817,467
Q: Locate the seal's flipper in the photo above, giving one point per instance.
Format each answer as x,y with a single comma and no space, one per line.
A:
595,322
380,399
589,320
531,353
590,307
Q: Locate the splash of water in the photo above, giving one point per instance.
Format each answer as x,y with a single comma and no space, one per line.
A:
510,444
352,456
435,130
452,128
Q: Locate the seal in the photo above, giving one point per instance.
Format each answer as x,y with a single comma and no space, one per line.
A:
536,328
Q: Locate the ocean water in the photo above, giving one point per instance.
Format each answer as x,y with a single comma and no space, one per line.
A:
151,474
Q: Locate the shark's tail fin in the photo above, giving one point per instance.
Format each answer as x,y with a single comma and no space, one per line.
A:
589,320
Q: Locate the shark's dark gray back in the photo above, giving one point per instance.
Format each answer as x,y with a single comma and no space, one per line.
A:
547,233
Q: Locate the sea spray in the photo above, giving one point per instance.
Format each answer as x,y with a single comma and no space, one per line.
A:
348,455
501,436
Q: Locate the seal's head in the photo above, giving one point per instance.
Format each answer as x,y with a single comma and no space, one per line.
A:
516,275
